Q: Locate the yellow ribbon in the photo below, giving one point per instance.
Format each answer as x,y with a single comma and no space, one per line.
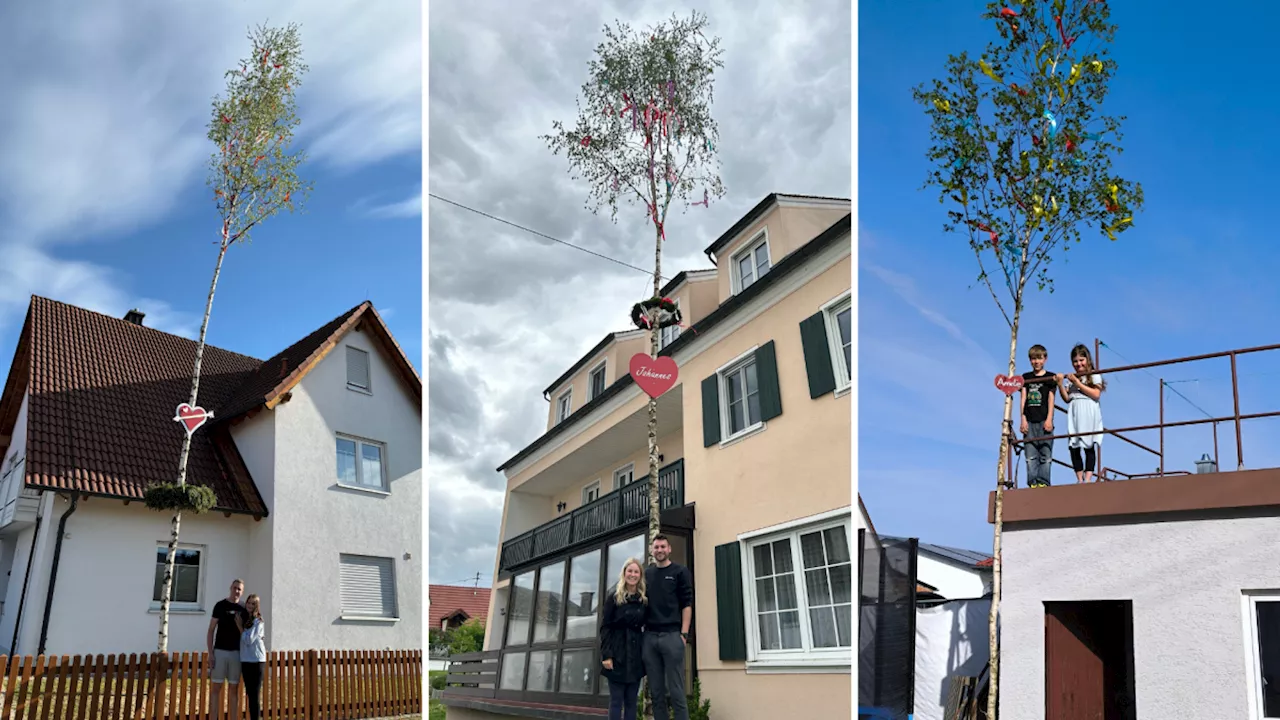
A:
1075,75
1040,56
1115,200
986,70
1112,229
942,105
1096,65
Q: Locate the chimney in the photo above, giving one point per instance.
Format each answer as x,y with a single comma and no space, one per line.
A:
1206,465
134,316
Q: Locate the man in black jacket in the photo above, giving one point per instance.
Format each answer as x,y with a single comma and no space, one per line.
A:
666,631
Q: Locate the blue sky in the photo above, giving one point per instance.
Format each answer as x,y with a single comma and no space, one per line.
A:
1196,274
103,156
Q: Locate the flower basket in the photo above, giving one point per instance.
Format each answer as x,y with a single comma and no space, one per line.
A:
180,498
668,312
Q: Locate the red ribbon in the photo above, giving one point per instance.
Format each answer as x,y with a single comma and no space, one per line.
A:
1066,42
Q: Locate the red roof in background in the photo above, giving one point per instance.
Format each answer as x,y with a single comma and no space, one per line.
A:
102,393
445,600
989,562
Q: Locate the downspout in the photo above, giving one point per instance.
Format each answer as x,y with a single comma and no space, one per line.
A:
26,579
53,572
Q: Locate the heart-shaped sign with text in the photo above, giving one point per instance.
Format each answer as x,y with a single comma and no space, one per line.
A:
654,376
191,417
1009,384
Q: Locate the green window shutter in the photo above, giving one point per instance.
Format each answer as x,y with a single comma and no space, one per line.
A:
817,355
730,619
767,375
711,411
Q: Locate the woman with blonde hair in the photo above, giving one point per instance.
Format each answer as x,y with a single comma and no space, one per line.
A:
621,632
253,653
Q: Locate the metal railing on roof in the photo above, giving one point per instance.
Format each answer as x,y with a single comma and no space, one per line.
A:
1236,418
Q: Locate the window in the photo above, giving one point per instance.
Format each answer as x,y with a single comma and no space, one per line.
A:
357,369
668,335
800,594
591,493
624,476
596,383
360,465
553,620
185,591
751,263
583,600
741,393
367,586
563,405
521,613
1263,617
549,606
840,335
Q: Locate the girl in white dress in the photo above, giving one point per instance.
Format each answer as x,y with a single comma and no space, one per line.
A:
1082,390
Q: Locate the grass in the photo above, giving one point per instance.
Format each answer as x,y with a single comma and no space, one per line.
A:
435,708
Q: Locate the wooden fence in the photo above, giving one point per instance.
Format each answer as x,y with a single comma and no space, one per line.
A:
301,685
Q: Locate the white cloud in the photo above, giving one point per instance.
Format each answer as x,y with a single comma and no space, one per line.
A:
107,104
409,207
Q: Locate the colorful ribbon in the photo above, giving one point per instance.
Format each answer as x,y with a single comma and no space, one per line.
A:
986,70
942,105
706,201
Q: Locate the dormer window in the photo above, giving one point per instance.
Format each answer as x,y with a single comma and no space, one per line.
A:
596,384
751,263
564,404
357,369
669,333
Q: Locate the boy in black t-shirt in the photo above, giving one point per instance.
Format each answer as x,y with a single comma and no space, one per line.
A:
1037,417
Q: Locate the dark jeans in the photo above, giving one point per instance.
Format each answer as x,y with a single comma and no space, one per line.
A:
252,674
1039,455
664,665
622,700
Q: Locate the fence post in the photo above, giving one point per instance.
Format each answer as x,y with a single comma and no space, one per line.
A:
313,686
158,700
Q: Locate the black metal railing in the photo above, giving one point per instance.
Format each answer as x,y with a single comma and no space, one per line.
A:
625,506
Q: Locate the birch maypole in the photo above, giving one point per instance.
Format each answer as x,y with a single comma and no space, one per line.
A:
253,175
1022,153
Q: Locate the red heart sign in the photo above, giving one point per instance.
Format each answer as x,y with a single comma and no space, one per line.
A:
191,417
654,376
1009,384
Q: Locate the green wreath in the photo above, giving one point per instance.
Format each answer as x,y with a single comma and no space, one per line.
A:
668,312
180,498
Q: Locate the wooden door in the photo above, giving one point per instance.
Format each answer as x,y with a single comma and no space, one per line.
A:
1074,674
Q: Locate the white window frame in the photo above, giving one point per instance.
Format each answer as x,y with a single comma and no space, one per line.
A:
669,334
593,485
564,402
722,380
599,368
368,366
844,375
1253,663
186,607
385,487
628,468
735,270
395,591
806,659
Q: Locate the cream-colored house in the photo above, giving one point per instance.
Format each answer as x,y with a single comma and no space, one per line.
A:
755,482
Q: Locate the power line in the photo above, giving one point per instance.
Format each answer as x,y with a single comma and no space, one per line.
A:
1162,382
542,235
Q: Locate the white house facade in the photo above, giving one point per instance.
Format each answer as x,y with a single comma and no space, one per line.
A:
315,456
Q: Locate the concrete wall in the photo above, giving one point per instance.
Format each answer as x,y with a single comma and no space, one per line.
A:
315,520
256,440
102,599
1185,579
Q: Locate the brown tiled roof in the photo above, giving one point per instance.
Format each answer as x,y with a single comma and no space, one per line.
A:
445,600
103,392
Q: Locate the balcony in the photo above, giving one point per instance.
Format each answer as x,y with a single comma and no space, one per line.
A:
615,511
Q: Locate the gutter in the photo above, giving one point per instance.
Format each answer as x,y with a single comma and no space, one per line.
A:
53,572
26,579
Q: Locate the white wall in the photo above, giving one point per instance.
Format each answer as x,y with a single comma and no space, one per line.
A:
256,440
11,485
953,582
102,600
1185,579
314,520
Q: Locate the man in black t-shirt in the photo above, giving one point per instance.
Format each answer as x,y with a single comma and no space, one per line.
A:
1038,388
666,631
224,649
